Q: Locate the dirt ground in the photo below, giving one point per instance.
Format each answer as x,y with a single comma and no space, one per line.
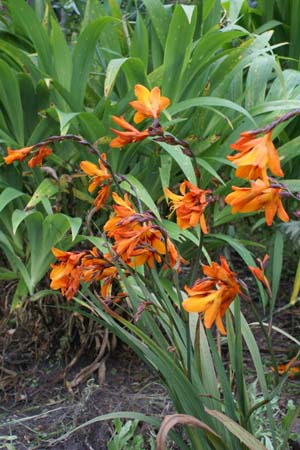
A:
41,402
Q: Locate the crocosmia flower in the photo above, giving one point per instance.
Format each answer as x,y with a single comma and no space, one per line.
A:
259,273
260,196
213,295
37,160
189,206
99,176
148,103
130,135
17,155
255,155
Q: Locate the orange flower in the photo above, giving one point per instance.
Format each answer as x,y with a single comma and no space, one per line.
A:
66,275
260,196
37,160
123,218
255,156
292,368
99,175
259,273
131,134
189,206
148,103
102,196
213,295
17,155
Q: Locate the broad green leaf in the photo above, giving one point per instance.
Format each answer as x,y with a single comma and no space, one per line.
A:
177,49
43,234
184,162
289,151
140,42
17,218
47,188
83,56
20,58
111,73
15,261
61,55
165,170
206,52
91,127
276,105
115,9
259,74
20,294
92,11
256,358
131,66
294,47
11,101
65,120
202,102
276,260
8,195
177,234
75,224
208,373
203,163
24,17
159,18
243,435
30,104
140,191
6,274
234,9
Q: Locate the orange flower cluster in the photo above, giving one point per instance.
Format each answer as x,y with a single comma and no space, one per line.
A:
99,176
86,266
213,295
189,206
255,156
149,104
136,239
22,153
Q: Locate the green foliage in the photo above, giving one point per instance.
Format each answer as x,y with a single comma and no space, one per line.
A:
126,437
27,237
